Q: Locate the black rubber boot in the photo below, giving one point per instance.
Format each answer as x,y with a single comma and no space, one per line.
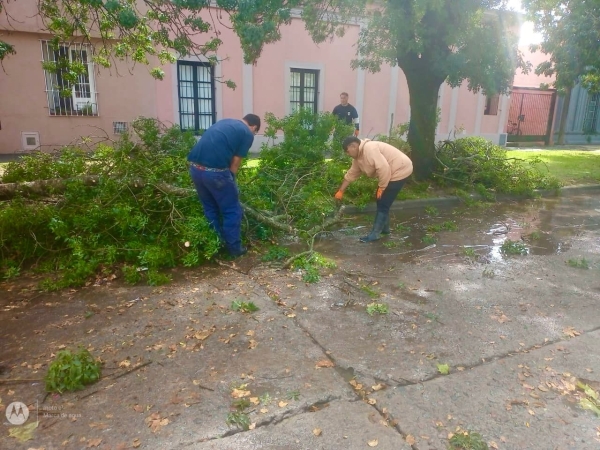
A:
377,227
386,225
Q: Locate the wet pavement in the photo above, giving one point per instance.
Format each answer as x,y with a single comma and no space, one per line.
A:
311,368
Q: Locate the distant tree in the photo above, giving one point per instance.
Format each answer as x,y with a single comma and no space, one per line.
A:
437,41
571,38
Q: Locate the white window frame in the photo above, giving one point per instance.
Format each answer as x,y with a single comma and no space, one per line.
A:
79,106
288,66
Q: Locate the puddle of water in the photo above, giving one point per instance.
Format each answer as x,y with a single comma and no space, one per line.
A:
544,226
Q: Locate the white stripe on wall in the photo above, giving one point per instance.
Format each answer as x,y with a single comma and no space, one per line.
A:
393,95
504,107
453,109
479,113
247,89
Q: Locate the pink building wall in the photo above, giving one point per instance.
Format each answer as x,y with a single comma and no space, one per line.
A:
261,88
24,104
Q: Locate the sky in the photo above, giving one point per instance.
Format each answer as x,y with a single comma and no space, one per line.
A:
528,36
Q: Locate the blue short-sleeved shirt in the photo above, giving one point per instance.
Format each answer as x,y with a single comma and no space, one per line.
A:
221,142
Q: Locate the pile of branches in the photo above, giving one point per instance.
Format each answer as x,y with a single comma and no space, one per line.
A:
130,206
476,162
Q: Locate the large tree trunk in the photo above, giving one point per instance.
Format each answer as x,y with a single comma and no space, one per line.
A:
563,117
423,89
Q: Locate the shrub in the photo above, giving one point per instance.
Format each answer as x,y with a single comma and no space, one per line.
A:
475,161
72,371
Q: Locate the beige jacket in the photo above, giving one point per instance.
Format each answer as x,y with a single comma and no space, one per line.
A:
381,160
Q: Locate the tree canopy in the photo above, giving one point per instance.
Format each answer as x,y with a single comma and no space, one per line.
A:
571,38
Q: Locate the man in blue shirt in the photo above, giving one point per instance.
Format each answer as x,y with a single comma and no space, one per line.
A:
214,162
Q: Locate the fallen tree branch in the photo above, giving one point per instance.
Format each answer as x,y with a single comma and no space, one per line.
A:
58,185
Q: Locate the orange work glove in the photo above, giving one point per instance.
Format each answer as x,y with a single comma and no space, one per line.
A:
338,195
379,192
356,132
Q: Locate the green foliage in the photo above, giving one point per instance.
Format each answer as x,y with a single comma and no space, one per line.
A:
514,248
469,252
443,369
293,395
245,307
292,178
429,239
276,253
373,293
431,211
579,263
570,41
72,371
239,419
448,225
377,308
475,161
122,219
467,440
311,264
396,138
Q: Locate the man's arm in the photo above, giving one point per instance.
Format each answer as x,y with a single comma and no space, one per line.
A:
236,161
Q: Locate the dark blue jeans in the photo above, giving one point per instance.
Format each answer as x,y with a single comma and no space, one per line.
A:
389,195
219,196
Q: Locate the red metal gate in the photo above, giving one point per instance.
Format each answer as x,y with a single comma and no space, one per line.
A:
530,115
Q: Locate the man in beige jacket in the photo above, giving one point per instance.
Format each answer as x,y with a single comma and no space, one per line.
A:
388,164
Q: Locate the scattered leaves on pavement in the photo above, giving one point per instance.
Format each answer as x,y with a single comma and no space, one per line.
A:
373,443
317,432
23,433
324,363
443,369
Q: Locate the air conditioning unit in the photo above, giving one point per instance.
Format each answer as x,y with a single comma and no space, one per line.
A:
502,139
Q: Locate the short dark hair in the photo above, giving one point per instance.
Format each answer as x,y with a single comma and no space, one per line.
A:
350,140
253,120
344,93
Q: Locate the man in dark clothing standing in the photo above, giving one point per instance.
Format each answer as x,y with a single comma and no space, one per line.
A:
347,113
214,162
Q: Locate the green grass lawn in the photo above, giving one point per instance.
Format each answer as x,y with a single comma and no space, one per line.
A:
569,166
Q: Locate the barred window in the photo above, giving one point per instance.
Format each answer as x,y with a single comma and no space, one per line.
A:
75,99
196,90
304,89
491,105
120,127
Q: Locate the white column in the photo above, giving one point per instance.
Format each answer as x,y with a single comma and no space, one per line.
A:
247,89
440,106
503,113
479,112
359,103
453,110
393,96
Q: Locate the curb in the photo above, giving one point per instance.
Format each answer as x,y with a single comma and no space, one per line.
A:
455,201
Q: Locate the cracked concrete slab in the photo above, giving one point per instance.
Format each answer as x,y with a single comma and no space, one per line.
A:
527,401
342,425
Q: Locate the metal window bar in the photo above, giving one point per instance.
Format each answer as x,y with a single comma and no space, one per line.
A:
196,91
79,99
120,127
591,114
304,89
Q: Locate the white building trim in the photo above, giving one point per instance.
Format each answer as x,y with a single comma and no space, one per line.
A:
503,113
247,89
479,113
395,74
453,110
